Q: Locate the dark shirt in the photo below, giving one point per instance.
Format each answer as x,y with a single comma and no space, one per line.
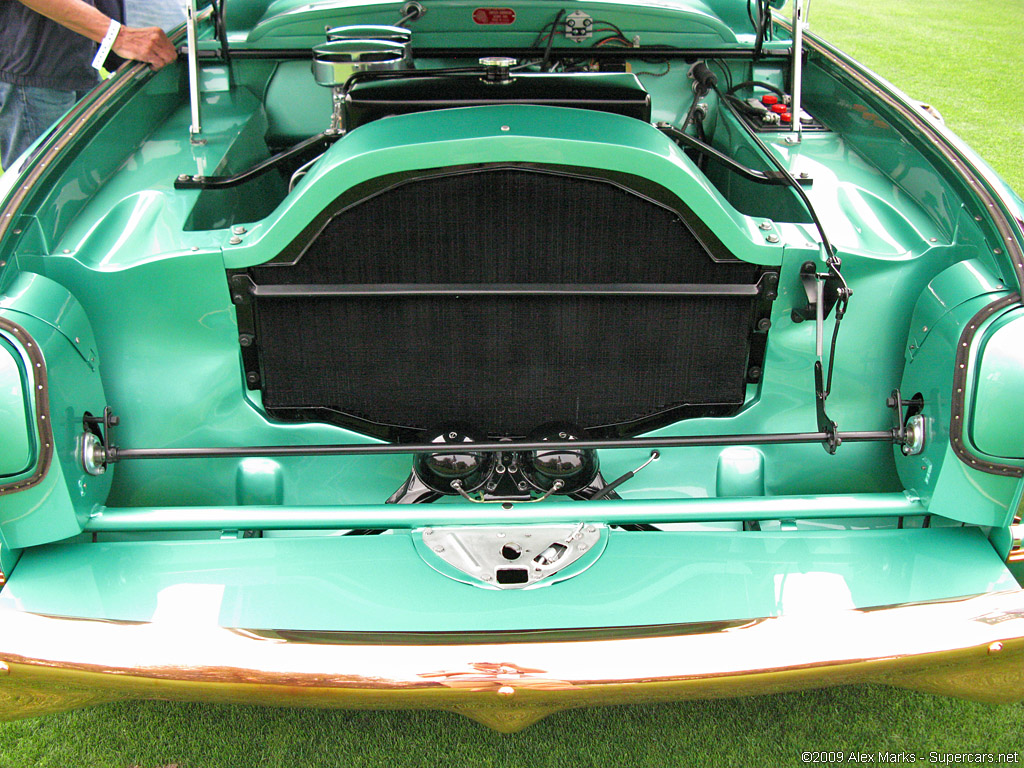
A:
38,52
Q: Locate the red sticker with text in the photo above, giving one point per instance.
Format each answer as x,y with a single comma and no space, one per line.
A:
494,15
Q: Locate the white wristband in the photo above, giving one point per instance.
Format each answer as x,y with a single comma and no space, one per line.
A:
108,42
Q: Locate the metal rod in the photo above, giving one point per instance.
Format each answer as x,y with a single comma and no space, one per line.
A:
760,177
798,64
365,449
314,143
505,289
840,506
691,54
195,129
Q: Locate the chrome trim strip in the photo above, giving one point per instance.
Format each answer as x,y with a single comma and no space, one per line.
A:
960,647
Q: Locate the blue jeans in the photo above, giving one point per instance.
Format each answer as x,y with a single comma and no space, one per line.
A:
25,113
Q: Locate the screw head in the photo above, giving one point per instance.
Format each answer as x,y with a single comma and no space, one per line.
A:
235,240
765,225
772,238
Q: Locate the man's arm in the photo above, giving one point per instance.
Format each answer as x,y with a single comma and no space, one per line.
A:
148,44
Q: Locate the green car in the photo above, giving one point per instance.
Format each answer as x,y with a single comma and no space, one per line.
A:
506,359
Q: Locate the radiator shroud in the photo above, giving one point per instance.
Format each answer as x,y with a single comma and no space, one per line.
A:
503,297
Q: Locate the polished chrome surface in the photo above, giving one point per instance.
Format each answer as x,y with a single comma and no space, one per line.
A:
513,556
913,441
91,454
336,61
970,647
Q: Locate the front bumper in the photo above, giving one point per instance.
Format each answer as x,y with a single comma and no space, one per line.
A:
969,647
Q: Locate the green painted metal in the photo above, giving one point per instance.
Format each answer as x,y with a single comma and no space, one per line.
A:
121,278
380,584
997,418
838,507
18,448
451,23
57,507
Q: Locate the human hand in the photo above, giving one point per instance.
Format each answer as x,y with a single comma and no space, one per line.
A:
148,44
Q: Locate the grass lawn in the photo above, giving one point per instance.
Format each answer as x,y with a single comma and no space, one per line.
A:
967,59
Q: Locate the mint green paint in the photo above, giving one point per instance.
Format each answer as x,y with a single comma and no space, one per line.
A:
946,485
475,135
56,507
740,473
146,262
838,507
380,584
997,425
450,23
18,446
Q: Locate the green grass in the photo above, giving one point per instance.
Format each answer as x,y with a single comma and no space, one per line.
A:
755,731
967,58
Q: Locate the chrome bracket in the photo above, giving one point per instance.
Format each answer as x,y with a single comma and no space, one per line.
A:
512,557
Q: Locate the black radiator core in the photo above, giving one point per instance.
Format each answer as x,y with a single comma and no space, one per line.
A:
504,298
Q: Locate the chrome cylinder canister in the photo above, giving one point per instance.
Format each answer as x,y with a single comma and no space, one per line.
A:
358,48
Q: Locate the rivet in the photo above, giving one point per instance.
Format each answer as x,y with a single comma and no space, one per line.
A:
995,647
505,128
773,238
765,225
238,229
235,240
506,690
439,548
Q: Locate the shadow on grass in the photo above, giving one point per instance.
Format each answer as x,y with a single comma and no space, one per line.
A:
763,731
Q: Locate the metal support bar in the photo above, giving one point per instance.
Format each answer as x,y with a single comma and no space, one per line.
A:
523,289
195,129
761,177
875,505
365,449
798,51
319,142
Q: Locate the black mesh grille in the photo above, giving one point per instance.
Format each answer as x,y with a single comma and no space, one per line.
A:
504,363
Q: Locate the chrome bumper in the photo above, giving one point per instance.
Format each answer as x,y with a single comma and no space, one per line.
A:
969,647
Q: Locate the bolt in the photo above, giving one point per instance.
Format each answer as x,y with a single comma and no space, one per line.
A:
764,324
238,298
235,240
428,531
17,231
521,485
184,177
253,378
755,372
238,229
563,435
591,529
505,128
67,250
773,238
804,175
245,340
765,225
452,435
439,548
